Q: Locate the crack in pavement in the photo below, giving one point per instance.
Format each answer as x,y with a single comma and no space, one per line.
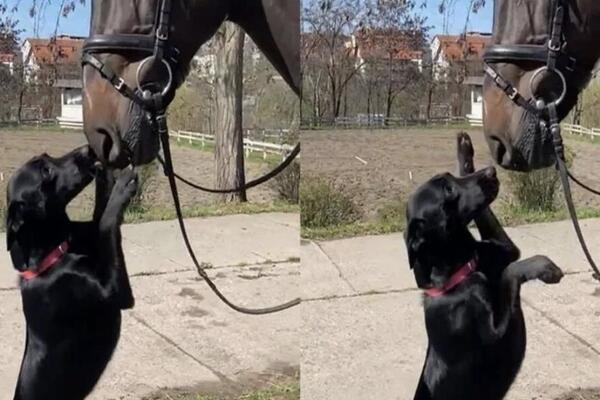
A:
222,377
363,294
555,322
336,265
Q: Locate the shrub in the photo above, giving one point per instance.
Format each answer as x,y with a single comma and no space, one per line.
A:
392,213
536,190
287,183
324,204
146,174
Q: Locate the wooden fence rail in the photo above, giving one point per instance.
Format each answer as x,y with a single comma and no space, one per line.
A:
581,130
250,146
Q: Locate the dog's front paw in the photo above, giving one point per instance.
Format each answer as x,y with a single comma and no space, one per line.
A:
465,153
126,185
548,272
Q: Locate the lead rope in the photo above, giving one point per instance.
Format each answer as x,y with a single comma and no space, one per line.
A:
564,177
163,131
279,169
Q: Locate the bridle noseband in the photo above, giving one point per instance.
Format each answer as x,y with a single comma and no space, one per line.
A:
558,62
155,102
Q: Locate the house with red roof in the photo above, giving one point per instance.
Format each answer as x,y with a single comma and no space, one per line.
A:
63,55
375,45
466,52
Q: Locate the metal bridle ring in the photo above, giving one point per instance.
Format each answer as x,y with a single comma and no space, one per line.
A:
556,72
167,87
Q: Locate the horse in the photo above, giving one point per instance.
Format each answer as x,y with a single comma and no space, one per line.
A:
542,56
120,54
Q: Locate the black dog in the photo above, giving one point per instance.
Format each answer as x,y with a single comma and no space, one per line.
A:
73,278
473,313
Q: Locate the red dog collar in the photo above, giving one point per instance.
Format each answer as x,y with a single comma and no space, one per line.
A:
456,278
48,262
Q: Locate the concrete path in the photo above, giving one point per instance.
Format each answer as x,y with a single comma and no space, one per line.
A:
363,332
179,334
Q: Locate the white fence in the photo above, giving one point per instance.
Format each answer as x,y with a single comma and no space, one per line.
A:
581,130
250,146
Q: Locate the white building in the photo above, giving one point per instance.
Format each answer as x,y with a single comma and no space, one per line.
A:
71,104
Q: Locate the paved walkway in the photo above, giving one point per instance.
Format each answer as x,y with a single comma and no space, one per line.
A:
179,334
363,331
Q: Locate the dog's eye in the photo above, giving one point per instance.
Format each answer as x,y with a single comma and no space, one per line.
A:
449,190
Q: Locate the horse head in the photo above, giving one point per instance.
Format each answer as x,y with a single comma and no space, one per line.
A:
119,130
521,35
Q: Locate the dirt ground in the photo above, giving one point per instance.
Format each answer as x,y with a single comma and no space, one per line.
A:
376,166
18,146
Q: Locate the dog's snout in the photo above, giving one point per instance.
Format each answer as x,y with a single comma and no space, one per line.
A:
490,172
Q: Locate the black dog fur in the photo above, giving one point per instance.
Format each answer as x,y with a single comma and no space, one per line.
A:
73,310
476,330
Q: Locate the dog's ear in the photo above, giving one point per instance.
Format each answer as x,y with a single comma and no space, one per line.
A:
14,222
415,239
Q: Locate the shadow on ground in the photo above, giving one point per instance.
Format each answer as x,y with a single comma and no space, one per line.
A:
281,382
581,394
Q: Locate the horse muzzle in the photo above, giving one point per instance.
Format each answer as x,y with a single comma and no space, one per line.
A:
532,150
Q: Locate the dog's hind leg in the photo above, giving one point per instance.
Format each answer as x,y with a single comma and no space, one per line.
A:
422,392
110,237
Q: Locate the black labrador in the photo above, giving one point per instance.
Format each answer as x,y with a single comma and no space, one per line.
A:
472,305
73,279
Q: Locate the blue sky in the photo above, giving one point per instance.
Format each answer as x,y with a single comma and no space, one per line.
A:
78,23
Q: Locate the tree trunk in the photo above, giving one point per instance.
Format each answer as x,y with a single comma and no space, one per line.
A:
229,140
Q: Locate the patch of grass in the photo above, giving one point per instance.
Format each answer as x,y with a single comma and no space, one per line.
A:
359,228
282,389
511,215
165,213
391,219
325,205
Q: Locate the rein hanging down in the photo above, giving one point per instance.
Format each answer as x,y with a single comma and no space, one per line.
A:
155,103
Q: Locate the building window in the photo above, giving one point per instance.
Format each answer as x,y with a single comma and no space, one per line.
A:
72,97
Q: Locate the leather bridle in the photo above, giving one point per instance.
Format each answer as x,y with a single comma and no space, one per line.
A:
155,99
555,60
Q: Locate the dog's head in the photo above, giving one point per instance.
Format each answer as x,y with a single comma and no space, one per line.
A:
438,214
44,186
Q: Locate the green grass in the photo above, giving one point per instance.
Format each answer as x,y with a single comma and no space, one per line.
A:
167,213
284,390
164,213
509,215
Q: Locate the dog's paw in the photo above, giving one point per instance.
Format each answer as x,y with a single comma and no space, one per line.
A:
465,153
127,184
548,272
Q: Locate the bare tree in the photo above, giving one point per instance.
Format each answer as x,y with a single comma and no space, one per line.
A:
229,69
331,23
